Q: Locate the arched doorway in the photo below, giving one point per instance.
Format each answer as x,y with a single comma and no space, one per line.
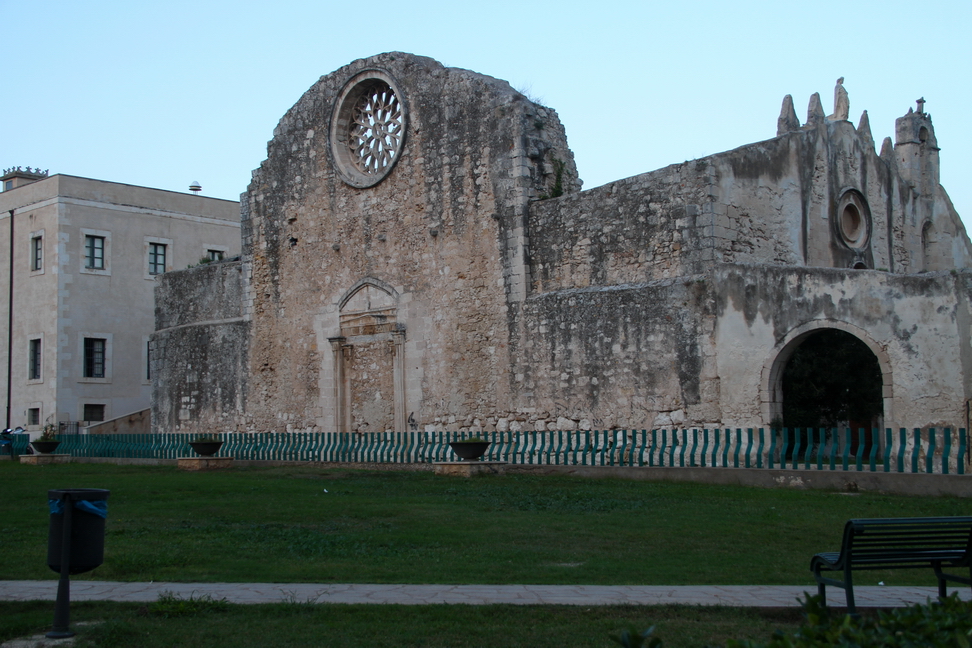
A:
826,375
369,369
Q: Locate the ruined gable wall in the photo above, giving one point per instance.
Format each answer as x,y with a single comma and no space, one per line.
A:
776,201
443,231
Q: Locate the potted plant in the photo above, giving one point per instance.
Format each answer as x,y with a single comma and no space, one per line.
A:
470,449
206,445
47,442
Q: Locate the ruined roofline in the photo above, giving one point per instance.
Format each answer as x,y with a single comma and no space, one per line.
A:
378,61
788,124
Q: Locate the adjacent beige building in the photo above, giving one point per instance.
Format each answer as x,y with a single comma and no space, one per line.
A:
80,261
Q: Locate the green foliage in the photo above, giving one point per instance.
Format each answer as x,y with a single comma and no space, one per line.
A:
631,638
170,606
830,378
947,623
296,624
558,187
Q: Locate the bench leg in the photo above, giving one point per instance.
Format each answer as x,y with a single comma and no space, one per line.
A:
822,593
849,590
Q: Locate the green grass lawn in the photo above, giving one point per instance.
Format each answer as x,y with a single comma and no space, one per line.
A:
303,524
446,626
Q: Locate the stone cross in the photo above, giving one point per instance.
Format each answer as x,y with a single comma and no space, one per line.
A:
921,105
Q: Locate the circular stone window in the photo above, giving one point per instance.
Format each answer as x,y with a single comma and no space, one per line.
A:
367,128
853,220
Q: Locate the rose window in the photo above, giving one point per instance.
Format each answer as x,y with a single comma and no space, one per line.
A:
376,129
368,128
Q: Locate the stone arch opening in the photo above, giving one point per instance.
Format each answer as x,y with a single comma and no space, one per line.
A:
828,374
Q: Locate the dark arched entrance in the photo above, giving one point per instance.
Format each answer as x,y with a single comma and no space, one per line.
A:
832,379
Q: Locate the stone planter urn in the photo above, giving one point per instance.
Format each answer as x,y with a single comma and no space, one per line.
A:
206,448
472,450
44,447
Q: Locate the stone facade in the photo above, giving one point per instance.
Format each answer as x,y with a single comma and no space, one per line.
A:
417,254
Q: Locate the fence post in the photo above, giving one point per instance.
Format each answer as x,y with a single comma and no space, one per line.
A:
888,440
771,458
960,457
874,449
759,450
821,439
946,449
795,451
705,446
930,453
725,448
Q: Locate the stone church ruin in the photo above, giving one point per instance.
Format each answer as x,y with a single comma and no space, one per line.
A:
418,255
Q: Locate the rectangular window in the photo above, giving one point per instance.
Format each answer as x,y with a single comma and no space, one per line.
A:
215,255
94,252
34,359
156,260
37,253
94,359
33,416
94,412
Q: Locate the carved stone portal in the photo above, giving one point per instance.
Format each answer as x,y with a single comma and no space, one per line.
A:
369,362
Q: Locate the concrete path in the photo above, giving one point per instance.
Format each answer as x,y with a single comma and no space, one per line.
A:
728,595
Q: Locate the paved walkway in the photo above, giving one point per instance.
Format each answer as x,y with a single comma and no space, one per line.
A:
729,595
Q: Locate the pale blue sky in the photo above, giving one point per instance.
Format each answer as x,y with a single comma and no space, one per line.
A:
161,94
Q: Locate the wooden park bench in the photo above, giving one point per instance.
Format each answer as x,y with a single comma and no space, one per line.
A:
934,542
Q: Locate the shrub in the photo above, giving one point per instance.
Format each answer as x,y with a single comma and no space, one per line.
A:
947,622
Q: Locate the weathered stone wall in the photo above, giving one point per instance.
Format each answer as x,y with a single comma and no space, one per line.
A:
772,202
647,227
917,326
207,293
199,350
625,356
709,349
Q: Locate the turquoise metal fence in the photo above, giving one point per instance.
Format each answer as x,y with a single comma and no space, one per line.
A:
917,450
